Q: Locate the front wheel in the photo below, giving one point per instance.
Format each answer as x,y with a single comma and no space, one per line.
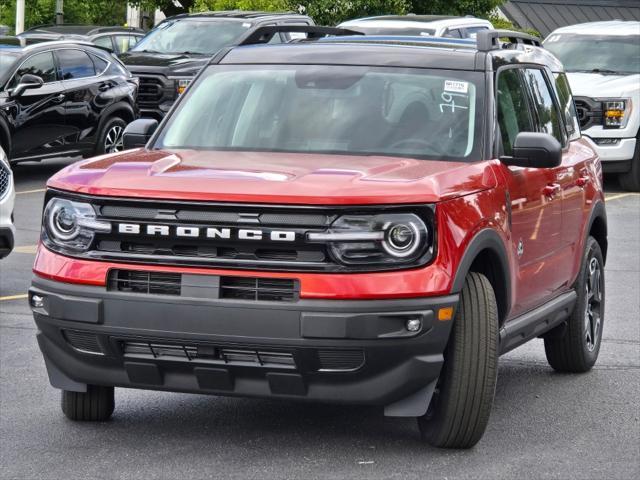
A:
460,408
631,180
575,349
94,405
110,138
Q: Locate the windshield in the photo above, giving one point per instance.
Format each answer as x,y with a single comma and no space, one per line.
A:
195,36
596,53
417,113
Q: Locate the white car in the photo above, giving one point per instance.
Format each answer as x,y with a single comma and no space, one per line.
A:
602,61
7,196
419,25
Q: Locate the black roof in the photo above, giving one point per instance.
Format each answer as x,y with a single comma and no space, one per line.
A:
547,15
399,51
79,29
237,14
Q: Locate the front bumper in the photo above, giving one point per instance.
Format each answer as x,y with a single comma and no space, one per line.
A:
623,150
343,351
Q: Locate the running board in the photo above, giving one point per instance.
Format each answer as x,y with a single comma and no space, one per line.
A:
534,323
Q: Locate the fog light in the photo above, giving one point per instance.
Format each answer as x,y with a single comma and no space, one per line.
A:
37,301
413,325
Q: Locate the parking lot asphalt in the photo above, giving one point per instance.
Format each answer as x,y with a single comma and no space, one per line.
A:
543,424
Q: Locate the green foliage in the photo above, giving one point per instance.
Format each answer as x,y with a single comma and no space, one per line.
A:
38,12
332,12
259,5
502,24
477,8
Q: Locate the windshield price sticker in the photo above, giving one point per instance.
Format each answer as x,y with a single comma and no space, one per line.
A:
456,86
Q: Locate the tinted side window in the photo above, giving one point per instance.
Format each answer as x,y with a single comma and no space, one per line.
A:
100,64
124,42
453,33
513,108
40,65
547,118
75,64
472,32
567,106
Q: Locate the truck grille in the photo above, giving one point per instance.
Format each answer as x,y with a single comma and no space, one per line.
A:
151,90
589,112
211,287
83,341
5,179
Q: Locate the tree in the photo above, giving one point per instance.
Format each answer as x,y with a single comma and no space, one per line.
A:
477,8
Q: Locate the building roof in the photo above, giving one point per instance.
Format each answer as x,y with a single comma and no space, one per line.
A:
547,15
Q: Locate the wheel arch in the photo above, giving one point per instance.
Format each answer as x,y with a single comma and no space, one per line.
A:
5,138
597,228
122,108
487,254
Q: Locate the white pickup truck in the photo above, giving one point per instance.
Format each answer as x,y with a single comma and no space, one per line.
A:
602,61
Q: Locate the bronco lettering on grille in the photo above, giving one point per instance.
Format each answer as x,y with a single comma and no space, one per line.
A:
224,233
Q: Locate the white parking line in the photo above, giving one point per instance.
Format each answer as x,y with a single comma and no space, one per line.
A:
37,190
620,195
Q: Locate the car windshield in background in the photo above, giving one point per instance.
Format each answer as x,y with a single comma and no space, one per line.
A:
608,54
192,36
7,60
414,32
432,114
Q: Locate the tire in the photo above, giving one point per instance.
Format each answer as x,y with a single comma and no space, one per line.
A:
460,408
576,346
96,405
631,180
110,136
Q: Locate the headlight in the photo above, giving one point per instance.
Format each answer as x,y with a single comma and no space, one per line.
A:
616,112
384,239
182,84
3,159
70,225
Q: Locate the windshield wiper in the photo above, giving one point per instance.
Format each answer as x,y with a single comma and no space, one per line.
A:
146,51
188,52
604,71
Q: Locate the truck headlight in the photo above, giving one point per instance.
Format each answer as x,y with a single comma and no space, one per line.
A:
182,84
70,226
384,239
616,112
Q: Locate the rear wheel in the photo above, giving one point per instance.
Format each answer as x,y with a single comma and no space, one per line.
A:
110,139
94,405
460,408
575,347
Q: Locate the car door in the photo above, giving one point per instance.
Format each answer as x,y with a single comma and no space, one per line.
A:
37,115
82,87
532,199
549,119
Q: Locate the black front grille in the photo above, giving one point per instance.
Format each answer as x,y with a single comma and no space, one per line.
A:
236,288
340,360
5,179
589,112
211,354
150,90
258,289
83,341
157,283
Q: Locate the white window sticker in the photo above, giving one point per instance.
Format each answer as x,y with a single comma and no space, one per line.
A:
456,86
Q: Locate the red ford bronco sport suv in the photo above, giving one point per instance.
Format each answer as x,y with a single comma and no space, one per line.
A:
361,220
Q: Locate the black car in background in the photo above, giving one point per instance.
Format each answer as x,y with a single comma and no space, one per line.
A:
117,39
62,98
166,60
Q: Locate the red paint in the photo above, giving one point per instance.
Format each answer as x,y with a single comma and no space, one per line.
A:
548,207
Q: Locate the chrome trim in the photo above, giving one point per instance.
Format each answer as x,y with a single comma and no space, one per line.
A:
345,237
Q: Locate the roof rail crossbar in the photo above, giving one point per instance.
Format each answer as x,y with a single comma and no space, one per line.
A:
490,39
265,34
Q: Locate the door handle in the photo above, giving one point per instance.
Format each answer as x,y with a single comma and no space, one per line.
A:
582,181
551,190
104,87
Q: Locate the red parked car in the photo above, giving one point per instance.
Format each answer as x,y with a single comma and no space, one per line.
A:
352,219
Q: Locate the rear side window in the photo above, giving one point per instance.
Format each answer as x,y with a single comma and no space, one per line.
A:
40,65
125,42
547,118
453,33
567,106
104,42
75,64
513,108
472,32
100,64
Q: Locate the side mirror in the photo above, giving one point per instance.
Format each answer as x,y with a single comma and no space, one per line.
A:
27,82
535,150
138,132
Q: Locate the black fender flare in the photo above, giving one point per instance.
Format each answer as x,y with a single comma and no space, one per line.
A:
107,113
5,137
485,239
598,211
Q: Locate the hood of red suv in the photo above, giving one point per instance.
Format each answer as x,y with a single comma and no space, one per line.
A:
259,177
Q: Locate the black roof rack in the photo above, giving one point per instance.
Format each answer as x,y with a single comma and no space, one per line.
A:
488,40
265,34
